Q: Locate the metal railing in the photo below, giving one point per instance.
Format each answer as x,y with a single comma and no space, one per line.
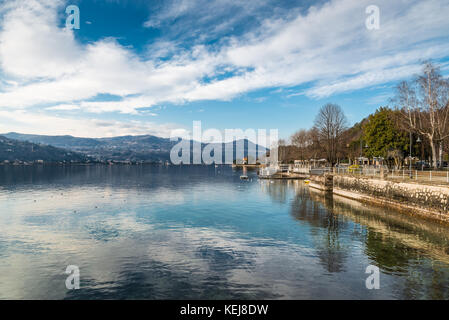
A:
268,171
431,176
319,171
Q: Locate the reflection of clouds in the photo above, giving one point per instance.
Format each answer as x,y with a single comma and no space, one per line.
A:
183,242
76,199
201,257
116,250
223,260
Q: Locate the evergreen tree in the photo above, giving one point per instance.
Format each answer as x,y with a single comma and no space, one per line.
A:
382,135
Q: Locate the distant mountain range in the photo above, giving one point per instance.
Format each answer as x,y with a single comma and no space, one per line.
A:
146,148
14,150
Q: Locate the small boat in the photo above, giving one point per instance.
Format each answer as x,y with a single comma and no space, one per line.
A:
244,177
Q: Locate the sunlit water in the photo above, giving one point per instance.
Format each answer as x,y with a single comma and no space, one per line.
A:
156,232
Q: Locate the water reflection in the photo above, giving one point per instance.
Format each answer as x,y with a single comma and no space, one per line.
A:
155,232
326,230
278,190
400,245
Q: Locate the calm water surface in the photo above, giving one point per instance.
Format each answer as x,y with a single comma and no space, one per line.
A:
155,232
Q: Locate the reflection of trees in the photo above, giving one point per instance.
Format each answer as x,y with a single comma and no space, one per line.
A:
439,283
423,278
414,252
277,190
389,254
406,248
327,227
426,280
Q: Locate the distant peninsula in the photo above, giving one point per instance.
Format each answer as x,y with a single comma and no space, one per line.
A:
18,147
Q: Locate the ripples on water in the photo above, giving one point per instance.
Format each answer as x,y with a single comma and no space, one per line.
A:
155,232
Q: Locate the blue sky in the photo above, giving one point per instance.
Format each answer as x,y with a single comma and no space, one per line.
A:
151,67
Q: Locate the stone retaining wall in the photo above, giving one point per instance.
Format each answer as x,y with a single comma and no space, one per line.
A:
429,201
322,182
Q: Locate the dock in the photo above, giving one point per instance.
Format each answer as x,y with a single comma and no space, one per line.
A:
285,176
247,166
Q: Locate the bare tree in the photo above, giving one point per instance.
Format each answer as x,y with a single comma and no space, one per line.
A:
281,150
424,104
330,124
301,139
446,146
397,156
314,150
308,144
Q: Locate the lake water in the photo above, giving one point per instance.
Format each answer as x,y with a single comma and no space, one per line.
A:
156,232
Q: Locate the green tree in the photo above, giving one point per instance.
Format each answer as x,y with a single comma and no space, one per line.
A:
382,135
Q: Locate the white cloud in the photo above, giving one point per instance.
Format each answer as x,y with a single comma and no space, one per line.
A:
326,48
40,123
32,45
364,80
64,107
185,18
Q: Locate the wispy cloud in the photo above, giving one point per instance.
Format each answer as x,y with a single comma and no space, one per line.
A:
200,20
326,49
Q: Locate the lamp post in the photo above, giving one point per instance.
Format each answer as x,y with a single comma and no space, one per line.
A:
422,164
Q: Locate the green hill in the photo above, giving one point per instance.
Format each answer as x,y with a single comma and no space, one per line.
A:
12,150
129,148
